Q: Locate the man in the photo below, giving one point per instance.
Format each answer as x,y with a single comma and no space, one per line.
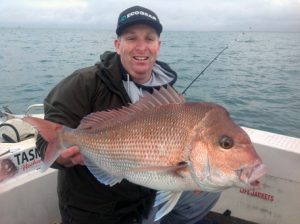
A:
119,78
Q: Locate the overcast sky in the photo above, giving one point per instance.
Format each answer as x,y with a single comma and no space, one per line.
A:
199,15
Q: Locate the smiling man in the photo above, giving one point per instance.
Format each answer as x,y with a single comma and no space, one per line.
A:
138,47
119,78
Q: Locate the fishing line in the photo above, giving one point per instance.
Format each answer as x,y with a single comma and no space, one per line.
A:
215,58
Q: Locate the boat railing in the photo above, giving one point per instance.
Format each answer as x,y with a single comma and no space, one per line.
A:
33,107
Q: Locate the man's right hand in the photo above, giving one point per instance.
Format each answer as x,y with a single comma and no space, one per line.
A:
70,157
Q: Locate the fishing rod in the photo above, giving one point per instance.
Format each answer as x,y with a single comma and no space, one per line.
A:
215,58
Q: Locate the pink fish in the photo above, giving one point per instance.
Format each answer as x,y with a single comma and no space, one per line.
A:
163,143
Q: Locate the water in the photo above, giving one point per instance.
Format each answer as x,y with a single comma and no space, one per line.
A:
257,78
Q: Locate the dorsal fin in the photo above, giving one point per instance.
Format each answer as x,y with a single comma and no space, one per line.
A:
160,97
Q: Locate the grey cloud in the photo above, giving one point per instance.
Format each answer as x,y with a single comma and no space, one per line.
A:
268,15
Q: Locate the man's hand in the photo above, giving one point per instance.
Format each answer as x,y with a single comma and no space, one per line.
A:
70,157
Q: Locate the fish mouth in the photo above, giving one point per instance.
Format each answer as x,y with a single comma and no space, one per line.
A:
251,175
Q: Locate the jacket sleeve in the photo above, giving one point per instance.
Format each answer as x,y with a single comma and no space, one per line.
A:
68,102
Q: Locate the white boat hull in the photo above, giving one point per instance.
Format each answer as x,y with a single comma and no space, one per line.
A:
30,199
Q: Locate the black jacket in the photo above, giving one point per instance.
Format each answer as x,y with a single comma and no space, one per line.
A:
87,90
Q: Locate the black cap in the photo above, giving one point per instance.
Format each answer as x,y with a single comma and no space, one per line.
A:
138,15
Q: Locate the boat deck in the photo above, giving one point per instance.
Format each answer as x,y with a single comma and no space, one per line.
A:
225,218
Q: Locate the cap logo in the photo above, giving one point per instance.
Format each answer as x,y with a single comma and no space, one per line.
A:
123,18
136,13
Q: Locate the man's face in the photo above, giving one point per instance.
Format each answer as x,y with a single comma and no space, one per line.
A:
138,47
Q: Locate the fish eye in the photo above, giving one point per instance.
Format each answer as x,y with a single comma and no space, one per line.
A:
226,142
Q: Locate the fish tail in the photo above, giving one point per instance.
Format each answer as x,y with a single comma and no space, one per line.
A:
52,133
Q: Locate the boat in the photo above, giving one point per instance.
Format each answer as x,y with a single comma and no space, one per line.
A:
29,196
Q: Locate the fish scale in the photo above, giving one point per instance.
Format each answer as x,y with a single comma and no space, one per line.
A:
137,145
163,143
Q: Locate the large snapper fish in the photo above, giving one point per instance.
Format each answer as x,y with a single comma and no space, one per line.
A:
163,143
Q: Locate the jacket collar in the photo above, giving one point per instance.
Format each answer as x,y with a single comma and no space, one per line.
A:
114,71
